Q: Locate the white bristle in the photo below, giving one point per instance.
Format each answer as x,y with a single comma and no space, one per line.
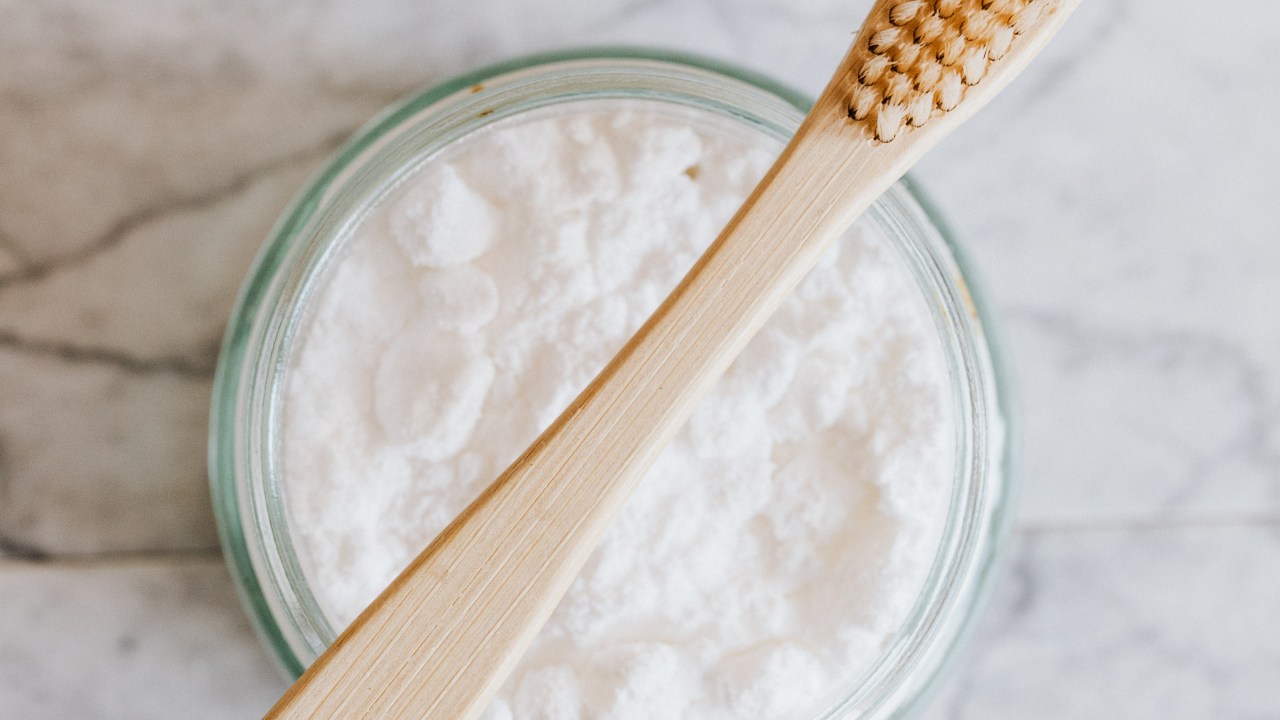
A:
905,12
889,122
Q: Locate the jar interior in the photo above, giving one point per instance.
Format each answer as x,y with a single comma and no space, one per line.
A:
865,546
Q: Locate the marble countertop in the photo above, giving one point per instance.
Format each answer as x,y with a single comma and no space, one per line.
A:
1119,200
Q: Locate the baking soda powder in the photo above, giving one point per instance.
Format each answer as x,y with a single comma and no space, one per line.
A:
778,543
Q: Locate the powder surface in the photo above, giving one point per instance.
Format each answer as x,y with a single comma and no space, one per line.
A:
772,552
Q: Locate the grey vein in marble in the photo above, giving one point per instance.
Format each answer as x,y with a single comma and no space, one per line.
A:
133,640
1140,426
97,459
1172,624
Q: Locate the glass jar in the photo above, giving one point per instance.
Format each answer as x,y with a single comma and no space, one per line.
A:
248,386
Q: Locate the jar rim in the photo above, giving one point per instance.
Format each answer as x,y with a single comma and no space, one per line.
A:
247,500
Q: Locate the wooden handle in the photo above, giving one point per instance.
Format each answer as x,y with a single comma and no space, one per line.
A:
440,640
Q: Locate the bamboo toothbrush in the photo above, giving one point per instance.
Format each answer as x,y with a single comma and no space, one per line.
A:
440,640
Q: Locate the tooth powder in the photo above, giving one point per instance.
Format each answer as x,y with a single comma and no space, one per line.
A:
779,542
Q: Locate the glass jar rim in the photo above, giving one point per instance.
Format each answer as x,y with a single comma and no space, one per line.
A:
247,500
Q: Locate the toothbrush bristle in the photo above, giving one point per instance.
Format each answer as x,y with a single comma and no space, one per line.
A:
915,60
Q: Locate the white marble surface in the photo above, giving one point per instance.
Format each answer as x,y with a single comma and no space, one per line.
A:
1120,201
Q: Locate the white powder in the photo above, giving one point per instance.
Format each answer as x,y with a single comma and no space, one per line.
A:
779,541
